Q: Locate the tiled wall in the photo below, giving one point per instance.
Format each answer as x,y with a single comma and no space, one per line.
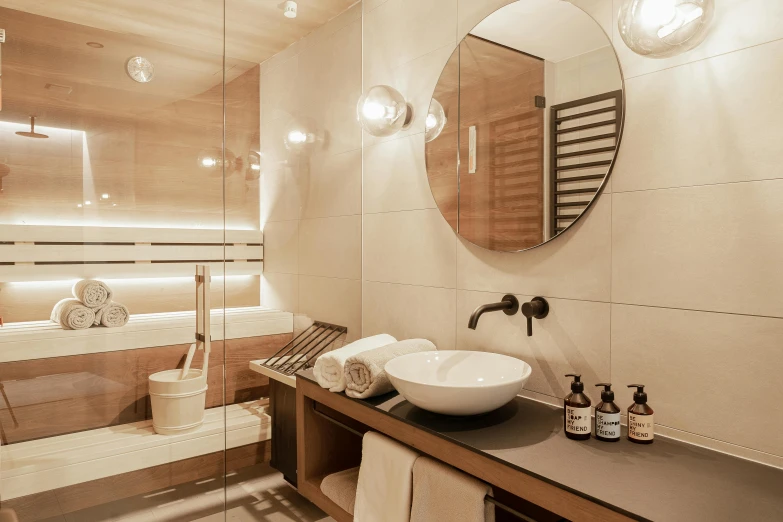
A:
674,278
311,203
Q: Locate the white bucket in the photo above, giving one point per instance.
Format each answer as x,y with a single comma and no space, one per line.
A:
177,404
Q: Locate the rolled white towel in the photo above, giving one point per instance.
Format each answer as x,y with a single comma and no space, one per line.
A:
364,373
111,315
92,293
71,314
329,367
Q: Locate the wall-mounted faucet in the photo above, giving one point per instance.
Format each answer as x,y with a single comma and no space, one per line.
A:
538,308
509,304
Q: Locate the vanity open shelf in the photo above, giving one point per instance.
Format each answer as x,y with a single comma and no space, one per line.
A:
521,451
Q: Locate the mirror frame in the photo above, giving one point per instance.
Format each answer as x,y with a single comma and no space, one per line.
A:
599,191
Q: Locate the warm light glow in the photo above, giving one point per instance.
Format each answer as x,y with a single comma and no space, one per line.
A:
374,110
686,14
79,205
430,121
297,137
255,166
88,202
208,162
104,196
659,12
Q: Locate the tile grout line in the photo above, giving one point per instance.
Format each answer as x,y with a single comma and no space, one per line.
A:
739,182
596,301
704,59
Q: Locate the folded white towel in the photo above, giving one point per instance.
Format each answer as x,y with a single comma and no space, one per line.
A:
71,314
329,367
444,494
111,315
92,293
383,493
364,373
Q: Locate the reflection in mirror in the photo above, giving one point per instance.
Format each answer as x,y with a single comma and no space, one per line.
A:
524,124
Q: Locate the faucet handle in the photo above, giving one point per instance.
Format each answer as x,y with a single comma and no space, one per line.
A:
537,307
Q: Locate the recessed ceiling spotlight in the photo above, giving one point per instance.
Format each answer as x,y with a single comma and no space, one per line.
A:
104,196
140,69
95,45
289,9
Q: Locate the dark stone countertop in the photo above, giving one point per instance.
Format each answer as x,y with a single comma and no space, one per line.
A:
666,480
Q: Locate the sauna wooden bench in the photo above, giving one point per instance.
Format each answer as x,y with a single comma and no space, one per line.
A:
521,448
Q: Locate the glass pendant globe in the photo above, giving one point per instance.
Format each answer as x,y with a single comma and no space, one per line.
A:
664,28
435,121
383,111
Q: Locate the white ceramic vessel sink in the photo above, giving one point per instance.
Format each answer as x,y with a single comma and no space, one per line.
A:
458,382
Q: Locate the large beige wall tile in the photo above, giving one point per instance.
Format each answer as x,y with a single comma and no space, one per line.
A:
713,121
711,374
395,176
576,265
414,247
399,31
406,312
471,12
278,88
332,300
281,196
331,247
573,338
280,291
714,247
369,5
329,85
281,247
334,185
738,24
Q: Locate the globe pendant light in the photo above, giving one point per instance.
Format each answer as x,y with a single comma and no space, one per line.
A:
383,111
664,28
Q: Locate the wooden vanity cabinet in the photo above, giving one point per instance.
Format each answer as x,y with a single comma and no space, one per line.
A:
325,447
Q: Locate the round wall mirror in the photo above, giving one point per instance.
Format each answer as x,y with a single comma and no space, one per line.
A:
524,124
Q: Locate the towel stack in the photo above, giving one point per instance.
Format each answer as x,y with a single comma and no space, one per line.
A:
358,368
396,484
91,305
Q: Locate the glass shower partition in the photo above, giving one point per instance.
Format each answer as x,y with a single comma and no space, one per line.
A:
114,166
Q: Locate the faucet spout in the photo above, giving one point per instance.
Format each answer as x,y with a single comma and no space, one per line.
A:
509,304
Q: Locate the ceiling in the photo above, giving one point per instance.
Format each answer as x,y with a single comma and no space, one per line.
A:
48,65
255,29
550,29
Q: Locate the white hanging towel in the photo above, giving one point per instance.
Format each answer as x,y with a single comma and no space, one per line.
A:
385,480
444,494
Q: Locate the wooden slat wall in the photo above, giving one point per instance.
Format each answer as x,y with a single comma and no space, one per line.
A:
67,394
56,256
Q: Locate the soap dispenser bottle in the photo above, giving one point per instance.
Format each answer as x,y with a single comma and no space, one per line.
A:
640,417
607,416
577,410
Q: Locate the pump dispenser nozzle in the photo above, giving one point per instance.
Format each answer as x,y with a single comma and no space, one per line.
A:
607,395
639,396
577,386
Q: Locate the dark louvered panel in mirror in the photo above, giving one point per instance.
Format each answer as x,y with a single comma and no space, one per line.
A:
584,136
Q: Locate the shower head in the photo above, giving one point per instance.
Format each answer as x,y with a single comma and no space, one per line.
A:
32,133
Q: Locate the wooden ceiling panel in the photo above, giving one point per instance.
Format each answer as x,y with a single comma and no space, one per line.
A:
255,30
